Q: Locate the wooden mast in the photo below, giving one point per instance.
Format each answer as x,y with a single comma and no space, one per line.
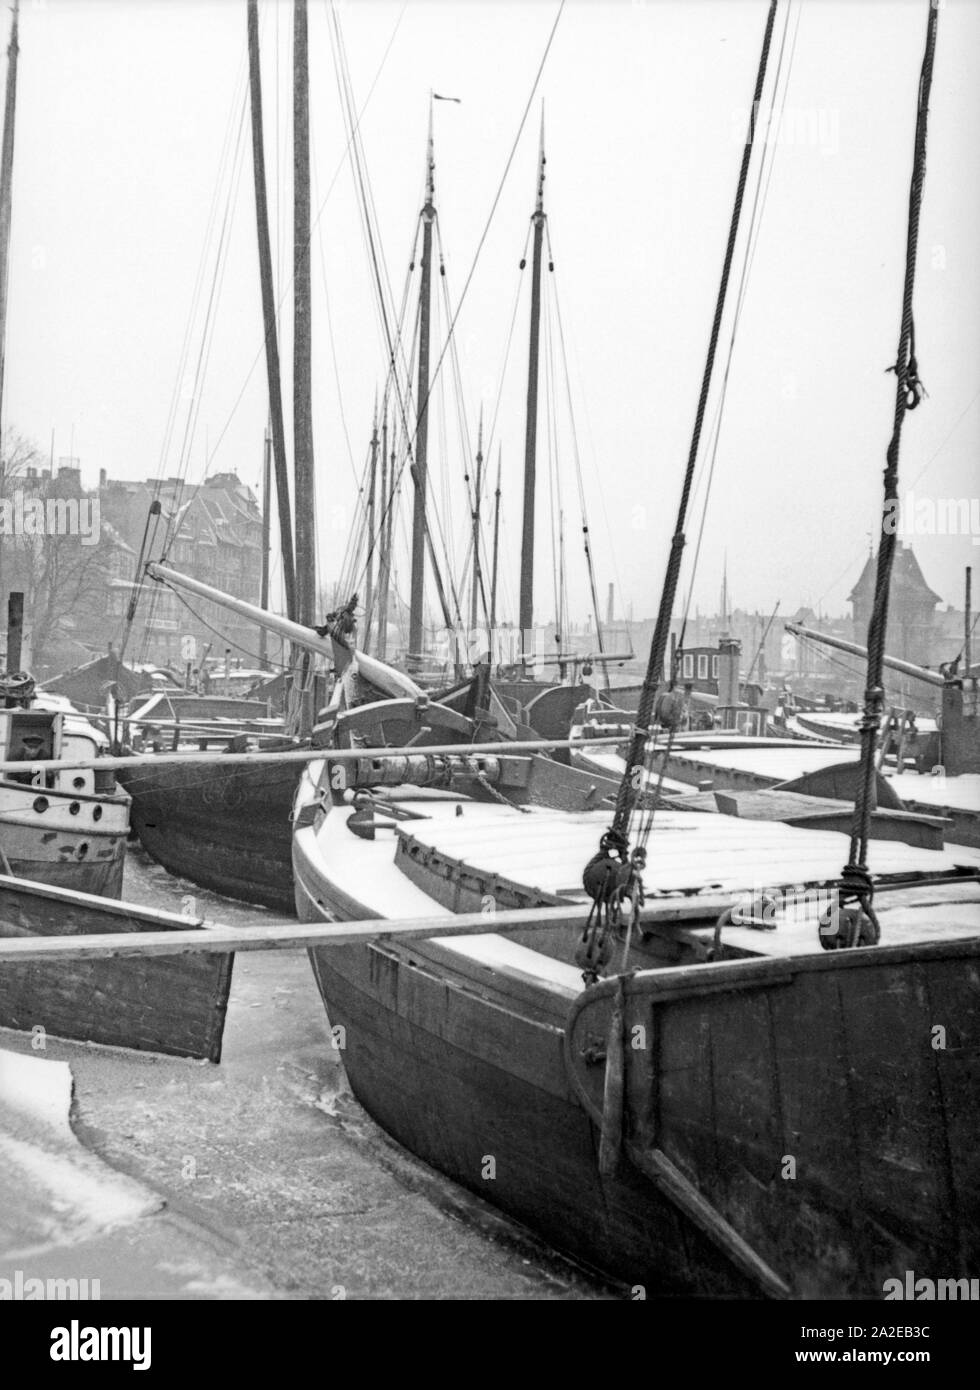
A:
302,328
526,606
269,314
384,562
6,194
369,584
417,593
496,548
477,577
266,490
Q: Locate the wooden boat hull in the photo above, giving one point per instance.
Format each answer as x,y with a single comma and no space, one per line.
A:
802,1110
228,829
172,1004
484,1099
482,1095
787,1127
69,840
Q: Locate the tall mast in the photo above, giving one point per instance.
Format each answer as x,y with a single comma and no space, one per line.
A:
369,586
496,548
269,314
526,608
6,192
384,561
417,596
266,489
476,526
302,332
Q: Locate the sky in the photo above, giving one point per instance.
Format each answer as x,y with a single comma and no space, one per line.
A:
132,152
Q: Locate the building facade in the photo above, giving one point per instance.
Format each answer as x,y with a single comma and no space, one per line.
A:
210,531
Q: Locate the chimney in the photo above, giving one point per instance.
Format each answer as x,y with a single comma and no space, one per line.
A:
103,477
729,651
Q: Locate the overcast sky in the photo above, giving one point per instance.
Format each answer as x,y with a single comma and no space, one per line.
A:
123,111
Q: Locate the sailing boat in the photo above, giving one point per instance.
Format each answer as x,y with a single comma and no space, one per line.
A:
546,706
229,831
62,849
717,1111
60,828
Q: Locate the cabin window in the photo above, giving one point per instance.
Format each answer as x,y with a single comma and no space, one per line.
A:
687,665
714,668
702,667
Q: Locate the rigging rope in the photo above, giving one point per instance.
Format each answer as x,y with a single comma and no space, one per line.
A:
613,869
860,922
586,538
658,648
759,201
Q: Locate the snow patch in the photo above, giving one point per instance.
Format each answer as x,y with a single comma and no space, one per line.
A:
53,1191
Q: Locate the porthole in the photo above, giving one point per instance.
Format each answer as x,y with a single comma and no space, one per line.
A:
41,804
74,808
97,813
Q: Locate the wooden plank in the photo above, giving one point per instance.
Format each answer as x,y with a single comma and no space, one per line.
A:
183,939
301,755
297,935
73,900
952,1001
887,1023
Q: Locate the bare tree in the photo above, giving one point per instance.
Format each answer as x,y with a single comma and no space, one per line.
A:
63,577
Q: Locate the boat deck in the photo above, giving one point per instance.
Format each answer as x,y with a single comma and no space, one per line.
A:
772,764
610,763
689,852
960,793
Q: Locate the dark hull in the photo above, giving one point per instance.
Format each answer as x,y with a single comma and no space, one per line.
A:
172,1004
103,878
421,1074
42,848
825,1060
228,829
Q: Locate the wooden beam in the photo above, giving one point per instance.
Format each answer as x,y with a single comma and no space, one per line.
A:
287,936
278,935
304,755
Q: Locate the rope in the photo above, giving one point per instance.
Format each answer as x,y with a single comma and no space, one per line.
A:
658,648
856,884
614,874
759,201
586,538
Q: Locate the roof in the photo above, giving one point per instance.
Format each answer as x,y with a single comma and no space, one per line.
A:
907,580
222,510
